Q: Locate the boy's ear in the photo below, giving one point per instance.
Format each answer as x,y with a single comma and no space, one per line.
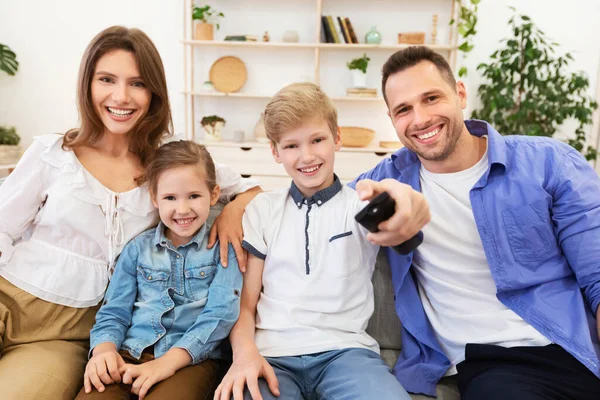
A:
275,152
214,195
338,139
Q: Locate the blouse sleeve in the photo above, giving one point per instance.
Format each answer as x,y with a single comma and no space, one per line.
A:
21,197
232,183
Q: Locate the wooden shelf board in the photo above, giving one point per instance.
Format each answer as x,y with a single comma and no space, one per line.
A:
325,46
252,145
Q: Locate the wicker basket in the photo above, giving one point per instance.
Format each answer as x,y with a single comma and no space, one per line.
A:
353,136
9,154
228,74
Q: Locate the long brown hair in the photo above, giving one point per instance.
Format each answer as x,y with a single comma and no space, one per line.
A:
156,125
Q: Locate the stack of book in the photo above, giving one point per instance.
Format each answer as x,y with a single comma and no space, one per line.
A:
330,33
361,92
241,38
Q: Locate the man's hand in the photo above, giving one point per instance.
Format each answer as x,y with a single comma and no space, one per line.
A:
142,377
412,211
103,367
228,227
245,370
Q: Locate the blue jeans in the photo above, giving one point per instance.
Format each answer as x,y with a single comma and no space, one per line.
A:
348,374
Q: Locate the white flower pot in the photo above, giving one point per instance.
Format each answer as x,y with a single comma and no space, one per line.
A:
359,78
213,133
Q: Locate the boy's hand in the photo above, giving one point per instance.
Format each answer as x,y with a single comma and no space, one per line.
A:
103,367
246,370
412,211
228,227
142,377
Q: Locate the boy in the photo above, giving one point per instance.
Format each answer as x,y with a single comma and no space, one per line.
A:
308,281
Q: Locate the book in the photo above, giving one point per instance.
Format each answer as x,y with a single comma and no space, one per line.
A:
361,92
327,30
344,30
241,38
351,30
336,38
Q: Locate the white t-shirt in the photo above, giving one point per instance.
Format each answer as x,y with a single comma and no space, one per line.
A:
454,280
317,292
61,229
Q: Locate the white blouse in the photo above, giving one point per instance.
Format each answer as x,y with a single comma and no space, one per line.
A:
61,229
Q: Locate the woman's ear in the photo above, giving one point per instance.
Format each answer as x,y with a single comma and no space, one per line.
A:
214,195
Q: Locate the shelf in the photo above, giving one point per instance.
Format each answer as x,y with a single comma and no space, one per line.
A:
325,46
264,96
251,145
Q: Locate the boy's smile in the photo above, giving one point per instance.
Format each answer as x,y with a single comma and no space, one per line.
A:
307,154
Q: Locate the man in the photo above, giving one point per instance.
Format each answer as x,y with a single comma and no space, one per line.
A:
504,290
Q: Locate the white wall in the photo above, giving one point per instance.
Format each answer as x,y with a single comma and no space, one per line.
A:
49,38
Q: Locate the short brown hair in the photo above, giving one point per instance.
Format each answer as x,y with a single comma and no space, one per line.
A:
411,56
296,104
178,154
156,125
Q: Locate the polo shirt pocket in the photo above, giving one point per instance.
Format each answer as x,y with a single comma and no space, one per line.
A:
151,281
343,255
198,280
530,233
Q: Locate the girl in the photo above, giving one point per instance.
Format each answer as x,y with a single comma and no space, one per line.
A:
170,301
71,204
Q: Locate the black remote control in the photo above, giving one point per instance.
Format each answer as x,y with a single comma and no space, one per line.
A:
380,209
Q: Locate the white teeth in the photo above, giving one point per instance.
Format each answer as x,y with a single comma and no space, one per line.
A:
118,112
428,135
309,170
184,221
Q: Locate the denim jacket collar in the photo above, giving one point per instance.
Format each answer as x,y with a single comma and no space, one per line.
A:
160,239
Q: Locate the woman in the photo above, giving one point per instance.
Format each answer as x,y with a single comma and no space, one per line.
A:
71,205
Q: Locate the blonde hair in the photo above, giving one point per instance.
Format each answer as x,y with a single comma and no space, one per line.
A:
178,154
296,104
156,124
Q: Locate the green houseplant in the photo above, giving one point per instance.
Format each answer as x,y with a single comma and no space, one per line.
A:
358,67
212,124
528,88
207,17
8,60
466,24
10,151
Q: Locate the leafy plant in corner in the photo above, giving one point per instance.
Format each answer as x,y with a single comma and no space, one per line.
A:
206,14
360,63
209,123
529,90
466,25
8,60
8,136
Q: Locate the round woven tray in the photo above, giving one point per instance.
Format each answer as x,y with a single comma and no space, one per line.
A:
228,74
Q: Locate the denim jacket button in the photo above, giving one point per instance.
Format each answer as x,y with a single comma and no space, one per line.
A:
202,273
150,278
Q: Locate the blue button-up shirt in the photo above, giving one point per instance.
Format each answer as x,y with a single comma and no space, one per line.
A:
537,209
166,297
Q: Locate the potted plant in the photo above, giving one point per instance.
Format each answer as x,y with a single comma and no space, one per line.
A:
8,60
10,151
528,89
358,67
212,124
207,17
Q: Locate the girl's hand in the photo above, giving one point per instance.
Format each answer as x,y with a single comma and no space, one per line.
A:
142,377
103,367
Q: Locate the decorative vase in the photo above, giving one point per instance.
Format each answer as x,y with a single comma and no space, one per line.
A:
204,31
373,36
359,78
290,37
208,87
259,130
213,132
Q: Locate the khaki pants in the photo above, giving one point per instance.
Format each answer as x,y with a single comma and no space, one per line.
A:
194,382
43,346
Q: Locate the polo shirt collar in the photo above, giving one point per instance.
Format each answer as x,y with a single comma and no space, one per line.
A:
319,198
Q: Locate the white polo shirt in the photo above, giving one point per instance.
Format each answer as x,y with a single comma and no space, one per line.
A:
317,293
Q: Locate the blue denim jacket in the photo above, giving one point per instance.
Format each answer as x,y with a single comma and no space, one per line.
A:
537,209
167,297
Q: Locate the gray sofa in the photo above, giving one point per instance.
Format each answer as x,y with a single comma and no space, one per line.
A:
385,326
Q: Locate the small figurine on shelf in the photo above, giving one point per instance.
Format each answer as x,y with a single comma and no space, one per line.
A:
266,37
434,29
212,124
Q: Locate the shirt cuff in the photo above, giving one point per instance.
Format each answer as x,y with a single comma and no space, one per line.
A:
252,250
6,248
